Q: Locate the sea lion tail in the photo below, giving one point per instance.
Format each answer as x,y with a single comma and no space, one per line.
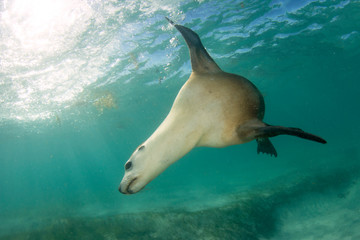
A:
272,131
265,145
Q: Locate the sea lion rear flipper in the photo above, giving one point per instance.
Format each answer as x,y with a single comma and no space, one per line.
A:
272,131
200,59
265,146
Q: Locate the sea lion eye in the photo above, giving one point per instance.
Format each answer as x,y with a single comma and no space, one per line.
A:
128,165
141,147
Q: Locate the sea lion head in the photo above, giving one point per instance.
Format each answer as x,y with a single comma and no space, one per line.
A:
142,167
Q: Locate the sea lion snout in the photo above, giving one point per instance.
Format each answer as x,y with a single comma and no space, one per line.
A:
122,191
126,184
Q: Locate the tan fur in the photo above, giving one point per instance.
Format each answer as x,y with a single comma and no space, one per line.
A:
207,111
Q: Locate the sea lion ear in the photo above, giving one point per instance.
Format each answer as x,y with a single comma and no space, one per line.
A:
201,61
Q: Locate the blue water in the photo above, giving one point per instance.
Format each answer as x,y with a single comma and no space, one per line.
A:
83,83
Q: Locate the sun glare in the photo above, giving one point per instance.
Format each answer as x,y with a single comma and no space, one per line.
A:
38,71
35,23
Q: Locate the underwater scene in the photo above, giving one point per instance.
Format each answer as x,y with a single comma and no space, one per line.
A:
84,83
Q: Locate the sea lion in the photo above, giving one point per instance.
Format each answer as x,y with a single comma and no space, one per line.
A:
213,109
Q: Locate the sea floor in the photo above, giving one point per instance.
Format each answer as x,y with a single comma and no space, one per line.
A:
298,206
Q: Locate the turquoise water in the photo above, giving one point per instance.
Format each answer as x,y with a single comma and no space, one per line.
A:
83,83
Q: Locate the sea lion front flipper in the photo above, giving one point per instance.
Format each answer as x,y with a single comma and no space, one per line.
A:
201,61
265,146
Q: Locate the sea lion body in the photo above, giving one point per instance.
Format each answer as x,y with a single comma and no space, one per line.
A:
222,102
212,109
